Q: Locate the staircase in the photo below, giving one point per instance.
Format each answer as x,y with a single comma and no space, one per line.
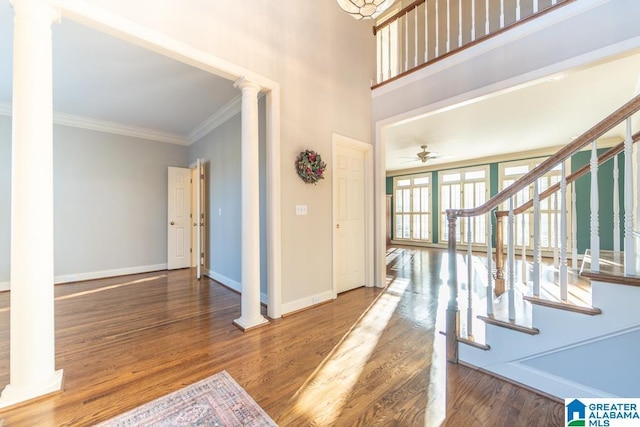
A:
552,338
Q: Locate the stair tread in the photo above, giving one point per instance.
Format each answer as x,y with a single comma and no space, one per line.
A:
509,324
563,305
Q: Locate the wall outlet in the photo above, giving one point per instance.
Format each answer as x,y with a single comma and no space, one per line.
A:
315,300
219,211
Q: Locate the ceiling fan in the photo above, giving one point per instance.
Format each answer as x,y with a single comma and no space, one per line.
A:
425,155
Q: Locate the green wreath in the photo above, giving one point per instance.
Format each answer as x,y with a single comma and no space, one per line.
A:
310,166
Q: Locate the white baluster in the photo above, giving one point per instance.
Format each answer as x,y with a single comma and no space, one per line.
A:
629,241
448,26
389,49
436,19
469,279
535,6
511,262
405,22
574,229
554,2
536,240
517,10
564,274
415,37
379,40
486,17
459,23
489,267
616,206
501,13
555,237
595,206
426,31
523,249
473,20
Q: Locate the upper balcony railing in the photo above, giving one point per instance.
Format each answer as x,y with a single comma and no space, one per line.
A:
428,30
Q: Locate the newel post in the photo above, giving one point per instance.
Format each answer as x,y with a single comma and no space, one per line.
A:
453,314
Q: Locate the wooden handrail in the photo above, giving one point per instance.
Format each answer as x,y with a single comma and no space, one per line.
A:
397,15
570,178
565,152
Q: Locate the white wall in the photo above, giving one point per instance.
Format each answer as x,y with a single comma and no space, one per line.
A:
110,202
5,199
324,61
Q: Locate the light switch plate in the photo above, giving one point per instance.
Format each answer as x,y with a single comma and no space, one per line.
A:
301,209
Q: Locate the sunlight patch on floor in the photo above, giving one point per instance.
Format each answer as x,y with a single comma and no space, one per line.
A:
325,392
106,288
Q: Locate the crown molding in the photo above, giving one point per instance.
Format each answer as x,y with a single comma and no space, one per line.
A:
229,110
108,127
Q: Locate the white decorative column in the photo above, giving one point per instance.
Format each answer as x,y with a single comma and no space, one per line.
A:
32,339
250,316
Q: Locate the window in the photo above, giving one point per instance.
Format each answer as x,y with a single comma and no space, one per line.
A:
462,189
549,207
413,208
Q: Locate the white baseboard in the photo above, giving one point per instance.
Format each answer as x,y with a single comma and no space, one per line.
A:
4,286
228,282
66,278
292,306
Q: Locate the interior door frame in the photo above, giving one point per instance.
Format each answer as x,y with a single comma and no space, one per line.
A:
367,150
198,210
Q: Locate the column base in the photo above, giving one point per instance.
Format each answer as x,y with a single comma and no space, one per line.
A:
12,395
248,324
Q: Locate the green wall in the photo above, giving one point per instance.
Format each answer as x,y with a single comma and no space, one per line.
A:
605,196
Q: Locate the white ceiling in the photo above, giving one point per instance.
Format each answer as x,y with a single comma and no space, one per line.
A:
99,77
545,113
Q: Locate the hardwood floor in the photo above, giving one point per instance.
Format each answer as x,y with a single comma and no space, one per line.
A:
371,358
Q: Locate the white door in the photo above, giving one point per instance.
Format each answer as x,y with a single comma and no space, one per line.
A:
179,218
349,214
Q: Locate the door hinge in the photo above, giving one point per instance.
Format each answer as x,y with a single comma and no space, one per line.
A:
190,215
202,176
190,250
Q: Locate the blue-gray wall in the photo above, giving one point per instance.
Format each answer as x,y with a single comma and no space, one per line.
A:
110,200
221,151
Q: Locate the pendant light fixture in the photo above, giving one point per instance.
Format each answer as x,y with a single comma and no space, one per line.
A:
364,9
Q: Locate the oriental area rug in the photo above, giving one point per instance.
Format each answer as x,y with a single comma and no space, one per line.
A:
214,401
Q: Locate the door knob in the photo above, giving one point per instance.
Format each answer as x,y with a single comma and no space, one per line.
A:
337,225
172,223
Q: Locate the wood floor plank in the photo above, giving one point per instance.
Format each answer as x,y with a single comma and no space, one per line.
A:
371,358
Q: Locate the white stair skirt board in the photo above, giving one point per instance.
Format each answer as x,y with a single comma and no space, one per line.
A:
565,359
67,278
12,395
